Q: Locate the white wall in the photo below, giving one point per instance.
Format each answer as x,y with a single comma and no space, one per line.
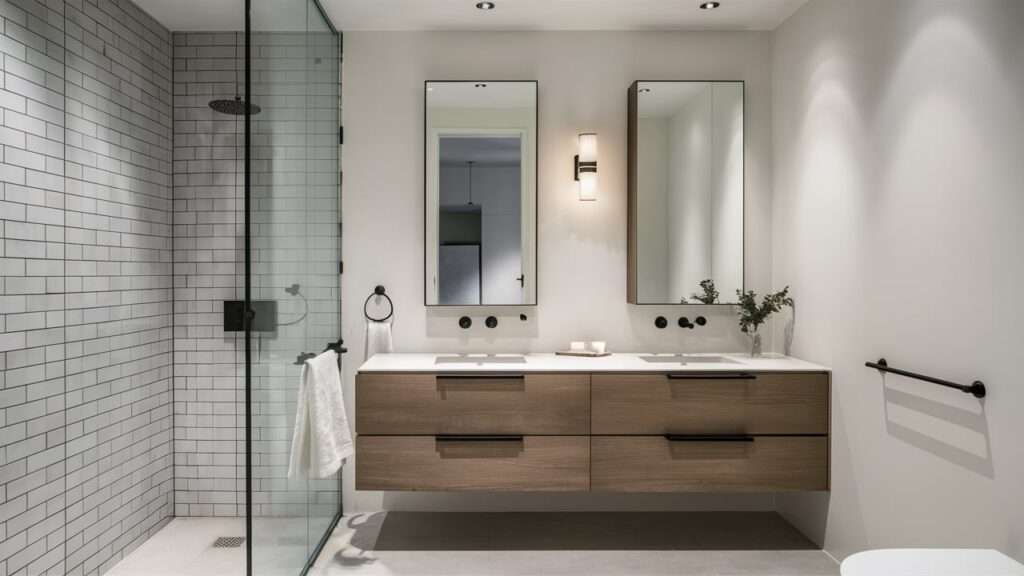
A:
582,266
898,139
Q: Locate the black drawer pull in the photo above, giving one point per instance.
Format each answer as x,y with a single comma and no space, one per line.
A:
488,376
478,438
708,438
711,376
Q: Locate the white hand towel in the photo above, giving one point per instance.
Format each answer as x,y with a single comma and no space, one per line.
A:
322,439
378,338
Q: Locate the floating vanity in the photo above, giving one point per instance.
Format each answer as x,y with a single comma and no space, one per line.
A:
621,423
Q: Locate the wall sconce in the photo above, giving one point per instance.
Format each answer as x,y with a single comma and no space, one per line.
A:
585,170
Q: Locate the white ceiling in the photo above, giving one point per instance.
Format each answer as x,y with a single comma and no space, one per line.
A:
353,15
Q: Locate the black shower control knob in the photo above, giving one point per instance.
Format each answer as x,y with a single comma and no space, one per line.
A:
465,322
660,322
701,321
684,322
491,322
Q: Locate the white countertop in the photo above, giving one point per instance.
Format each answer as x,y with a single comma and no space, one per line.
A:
451,362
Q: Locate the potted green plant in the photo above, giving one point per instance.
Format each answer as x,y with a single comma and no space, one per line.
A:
752,315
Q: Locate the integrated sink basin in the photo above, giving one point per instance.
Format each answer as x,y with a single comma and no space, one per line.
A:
480,359
688,359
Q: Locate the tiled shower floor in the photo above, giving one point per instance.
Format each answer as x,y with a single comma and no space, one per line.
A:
495,544
185,548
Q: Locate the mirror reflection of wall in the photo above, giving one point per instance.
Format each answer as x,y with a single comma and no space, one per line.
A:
481,193
479,230
687,178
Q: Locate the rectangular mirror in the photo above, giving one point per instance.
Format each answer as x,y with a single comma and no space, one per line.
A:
480,193
685,189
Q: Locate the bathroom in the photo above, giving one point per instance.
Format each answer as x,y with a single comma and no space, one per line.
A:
200,199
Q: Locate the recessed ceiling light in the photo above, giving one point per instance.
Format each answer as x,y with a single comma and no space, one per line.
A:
481,85
485,5
710,5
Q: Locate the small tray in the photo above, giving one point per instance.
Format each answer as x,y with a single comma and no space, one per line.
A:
584,353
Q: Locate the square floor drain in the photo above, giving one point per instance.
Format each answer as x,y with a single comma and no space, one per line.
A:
228,542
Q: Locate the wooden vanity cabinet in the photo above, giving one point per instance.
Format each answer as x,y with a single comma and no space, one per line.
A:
740,403
618,432
416,404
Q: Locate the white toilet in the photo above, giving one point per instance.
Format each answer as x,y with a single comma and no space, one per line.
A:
930,562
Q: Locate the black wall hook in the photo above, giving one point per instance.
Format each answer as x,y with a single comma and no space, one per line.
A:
378,291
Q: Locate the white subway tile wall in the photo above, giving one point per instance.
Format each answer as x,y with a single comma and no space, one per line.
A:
295,240
85,313
209,401
121,397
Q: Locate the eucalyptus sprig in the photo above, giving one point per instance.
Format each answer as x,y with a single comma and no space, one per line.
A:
710,295
752,315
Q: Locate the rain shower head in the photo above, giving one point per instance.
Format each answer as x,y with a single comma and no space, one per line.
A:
236,107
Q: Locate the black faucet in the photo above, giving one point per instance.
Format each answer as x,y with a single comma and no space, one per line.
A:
684,322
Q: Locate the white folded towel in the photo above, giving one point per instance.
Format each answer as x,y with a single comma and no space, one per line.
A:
378,338
322,439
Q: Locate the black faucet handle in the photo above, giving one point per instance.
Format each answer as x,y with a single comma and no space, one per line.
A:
684,322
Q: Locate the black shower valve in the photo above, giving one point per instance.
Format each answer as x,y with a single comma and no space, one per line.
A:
465,322
660,322
701,321
491,322
684,322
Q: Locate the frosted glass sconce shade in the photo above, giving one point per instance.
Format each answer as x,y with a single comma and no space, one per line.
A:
586,167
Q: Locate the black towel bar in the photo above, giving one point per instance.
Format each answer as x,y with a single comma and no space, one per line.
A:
336,346
977,388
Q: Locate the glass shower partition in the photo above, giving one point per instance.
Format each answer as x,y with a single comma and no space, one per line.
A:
293,252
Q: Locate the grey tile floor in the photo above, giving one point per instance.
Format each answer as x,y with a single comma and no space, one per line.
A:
496,544
570,544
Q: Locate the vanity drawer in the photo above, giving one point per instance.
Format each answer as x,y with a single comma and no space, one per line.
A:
410,404
656,464
723,403
427,463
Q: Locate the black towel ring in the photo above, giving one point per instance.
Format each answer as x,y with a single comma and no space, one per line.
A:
378,291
